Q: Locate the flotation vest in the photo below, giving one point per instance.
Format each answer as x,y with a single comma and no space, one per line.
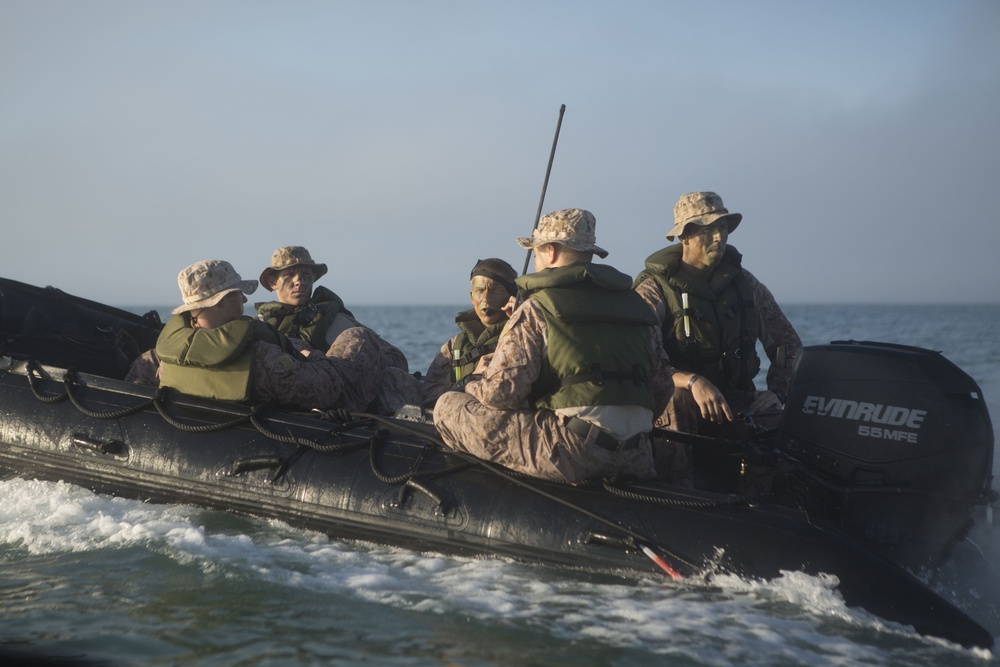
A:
598,341
722,318
472,342
214,363
310,321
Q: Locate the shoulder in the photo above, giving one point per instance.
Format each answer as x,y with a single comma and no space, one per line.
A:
760,291
530,312
649,290
526,323
751,278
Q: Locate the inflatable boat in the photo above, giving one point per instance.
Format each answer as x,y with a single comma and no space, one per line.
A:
886,456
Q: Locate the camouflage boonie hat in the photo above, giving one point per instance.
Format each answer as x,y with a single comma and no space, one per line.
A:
701,208
285,258
205,283
571,227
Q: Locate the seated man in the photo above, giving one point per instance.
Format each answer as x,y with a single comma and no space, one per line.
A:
210,349
492,286
316,316
578,372
712,312
319,317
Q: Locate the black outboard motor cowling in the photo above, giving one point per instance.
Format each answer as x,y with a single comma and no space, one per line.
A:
894,446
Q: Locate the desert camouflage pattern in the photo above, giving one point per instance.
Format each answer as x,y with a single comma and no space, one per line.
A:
285,258
145,370
391,356
348,376
571,227
701,208
205,283
673,460
397,390
493,421
776,332
357,360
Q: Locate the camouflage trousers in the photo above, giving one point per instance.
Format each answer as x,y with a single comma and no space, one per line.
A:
399,388
355,356
536,443
371,381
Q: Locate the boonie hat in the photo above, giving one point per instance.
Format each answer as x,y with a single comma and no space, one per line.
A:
206,283
571,227
285,258
701,208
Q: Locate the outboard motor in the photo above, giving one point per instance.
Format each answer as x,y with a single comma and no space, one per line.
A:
894,446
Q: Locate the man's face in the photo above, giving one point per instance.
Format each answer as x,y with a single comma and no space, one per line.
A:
294,285
488,299
704,246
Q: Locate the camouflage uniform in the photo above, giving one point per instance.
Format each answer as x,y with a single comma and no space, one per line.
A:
347,377
493,418
330,319
492,283
441,373
145,370
777,331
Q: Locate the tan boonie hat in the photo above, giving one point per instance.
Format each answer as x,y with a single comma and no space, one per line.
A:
701,208
571,227
205,283
285,258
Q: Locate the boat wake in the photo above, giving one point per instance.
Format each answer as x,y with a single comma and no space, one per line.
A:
795,617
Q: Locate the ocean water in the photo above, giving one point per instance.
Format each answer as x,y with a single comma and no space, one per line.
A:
95,580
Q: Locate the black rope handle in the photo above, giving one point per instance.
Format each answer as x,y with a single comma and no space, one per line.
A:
32,367
70,381
613,489
162,398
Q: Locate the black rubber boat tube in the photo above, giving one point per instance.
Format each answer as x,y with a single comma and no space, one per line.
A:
635,539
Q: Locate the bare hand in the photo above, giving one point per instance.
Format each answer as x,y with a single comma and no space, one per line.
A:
510,306
711,402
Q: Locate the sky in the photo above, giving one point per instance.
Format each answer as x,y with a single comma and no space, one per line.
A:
402,141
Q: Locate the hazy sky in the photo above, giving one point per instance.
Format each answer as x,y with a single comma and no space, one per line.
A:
402,141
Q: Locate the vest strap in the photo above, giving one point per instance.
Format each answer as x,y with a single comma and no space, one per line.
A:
473,354
599,377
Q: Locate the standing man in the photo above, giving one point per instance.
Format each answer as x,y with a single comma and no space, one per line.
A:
712,312
491,287
578,373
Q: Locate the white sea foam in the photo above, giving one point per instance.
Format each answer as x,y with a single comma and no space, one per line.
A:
727,620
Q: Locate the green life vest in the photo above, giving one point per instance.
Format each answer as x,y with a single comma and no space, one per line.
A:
309,322
598,338
473,341
213,363
721,316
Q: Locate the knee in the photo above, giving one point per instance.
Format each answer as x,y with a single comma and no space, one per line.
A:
354,343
